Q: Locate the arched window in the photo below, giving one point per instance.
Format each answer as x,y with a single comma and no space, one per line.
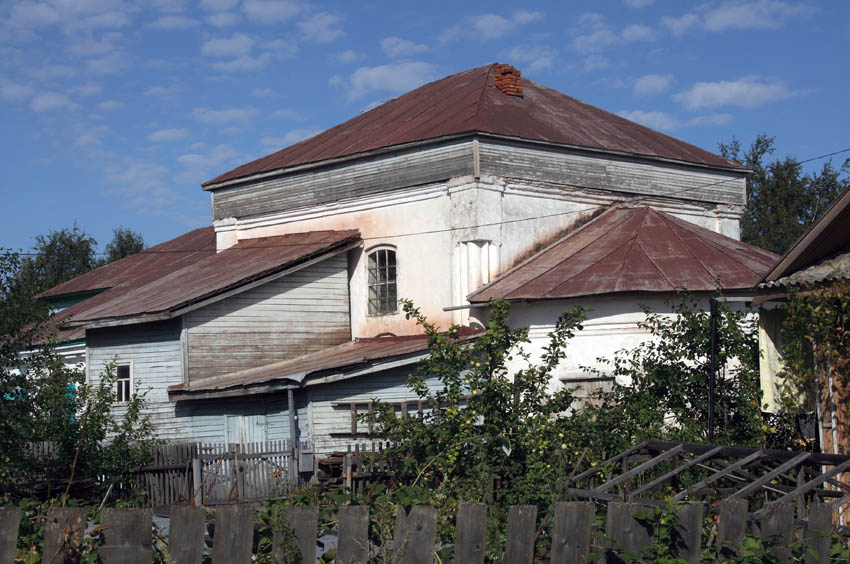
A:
383,277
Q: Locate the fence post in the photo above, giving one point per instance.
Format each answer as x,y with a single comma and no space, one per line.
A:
234,534
126,536
777,523
522,522
415,535
731,527
303,521
571,533
10,523
197,477
627,536
65,526
353,545
186,534
688,539
471,531
816,537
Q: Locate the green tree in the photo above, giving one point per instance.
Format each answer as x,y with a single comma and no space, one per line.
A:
782,201
58,257
125,242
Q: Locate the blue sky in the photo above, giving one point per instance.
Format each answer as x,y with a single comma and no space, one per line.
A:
114,112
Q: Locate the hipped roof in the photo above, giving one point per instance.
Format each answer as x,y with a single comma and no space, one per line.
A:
167,290
469,102
632,250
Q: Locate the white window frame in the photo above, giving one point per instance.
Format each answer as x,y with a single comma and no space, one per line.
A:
372,251
129,365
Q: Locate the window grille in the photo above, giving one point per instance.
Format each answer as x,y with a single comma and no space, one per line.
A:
382,282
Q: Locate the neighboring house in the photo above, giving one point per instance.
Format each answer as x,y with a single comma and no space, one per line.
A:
430,196
819,257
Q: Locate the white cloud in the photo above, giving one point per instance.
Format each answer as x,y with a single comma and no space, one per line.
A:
109,106
639,3
161,91
200,167
218,117
174,23
322,27
397,47
285,113
389,78
237,45
654,120
262,92
47,101
14,91
90,47
595,62
168,135
72,16
222,19
290,138
280,48
747,92
488,26
532,58
109,64
243,63
143,186
33,14
638,32
650,84
89,140
757,14
271,11
347,56
218,5
51,72
713,119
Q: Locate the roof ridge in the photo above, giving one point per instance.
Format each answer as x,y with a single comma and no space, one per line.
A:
623,264
480,103
649,258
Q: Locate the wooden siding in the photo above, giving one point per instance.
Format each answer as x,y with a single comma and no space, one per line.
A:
620,174
330,416
302,312
367,176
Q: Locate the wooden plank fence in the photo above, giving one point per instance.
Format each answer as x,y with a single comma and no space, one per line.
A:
127,537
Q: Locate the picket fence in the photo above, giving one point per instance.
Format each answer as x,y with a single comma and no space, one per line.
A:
127,533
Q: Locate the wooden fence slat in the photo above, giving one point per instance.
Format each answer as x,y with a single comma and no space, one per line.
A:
627,537
10,523
353,545
304,521
688,538
817,536
186,534
471,532
731,527
571,533
777,524
126,536
415,535
64,529
522,522
234,534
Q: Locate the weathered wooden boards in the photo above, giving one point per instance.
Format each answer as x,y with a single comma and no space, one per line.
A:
126,534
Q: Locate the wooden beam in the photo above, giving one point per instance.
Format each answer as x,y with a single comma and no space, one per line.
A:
813,483
678,470
613,459
640,468
719,474
746,490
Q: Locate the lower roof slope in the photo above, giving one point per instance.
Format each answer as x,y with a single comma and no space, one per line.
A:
632,250
169,289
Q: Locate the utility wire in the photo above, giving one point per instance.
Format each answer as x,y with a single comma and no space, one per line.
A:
434,231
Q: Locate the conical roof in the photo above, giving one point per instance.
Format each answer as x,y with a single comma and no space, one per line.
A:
469,102
627,250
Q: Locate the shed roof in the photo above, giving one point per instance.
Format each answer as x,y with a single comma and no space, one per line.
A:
359,353
632,250
469,102
170,255
168,290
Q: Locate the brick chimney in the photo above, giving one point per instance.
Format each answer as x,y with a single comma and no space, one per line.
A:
508,80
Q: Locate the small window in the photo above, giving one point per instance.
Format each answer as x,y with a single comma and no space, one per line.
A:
382,282
122,383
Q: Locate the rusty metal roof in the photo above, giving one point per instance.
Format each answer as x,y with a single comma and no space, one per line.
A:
170,289
347,356
469,102
165,257
632,250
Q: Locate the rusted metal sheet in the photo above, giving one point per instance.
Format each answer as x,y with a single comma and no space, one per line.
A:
170,289
633,250
165,257
345,356
469,102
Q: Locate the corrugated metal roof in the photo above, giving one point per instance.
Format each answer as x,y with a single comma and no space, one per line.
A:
632,250
171,255
835,268
169,289
346,356
470,102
